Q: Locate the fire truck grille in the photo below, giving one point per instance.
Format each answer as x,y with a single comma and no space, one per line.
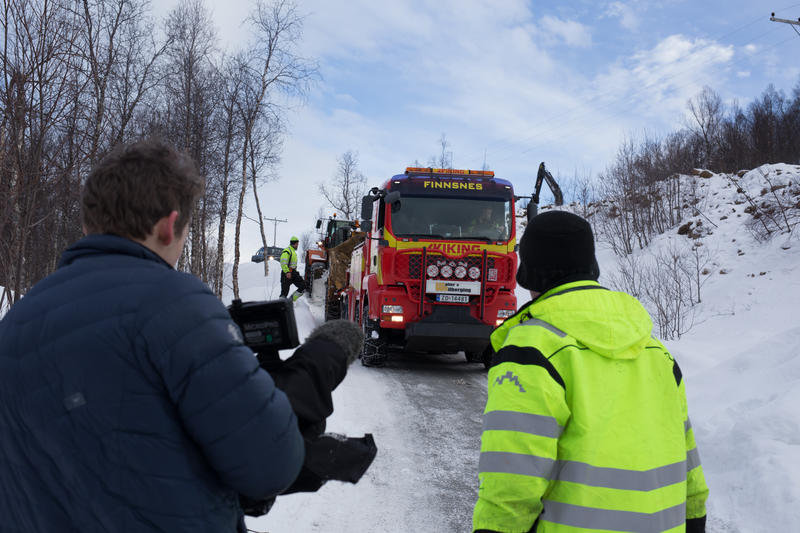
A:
409,266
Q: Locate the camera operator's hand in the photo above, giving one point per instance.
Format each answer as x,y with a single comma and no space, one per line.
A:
347,335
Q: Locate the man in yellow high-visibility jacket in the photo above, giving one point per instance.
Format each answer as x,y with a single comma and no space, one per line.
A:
586,425
289,273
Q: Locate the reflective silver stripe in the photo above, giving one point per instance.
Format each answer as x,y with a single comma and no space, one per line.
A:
617,478
542,323
692,459
545,426
687,425
610,520
516,463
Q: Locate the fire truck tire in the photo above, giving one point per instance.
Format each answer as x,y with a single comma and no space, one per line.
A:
374,351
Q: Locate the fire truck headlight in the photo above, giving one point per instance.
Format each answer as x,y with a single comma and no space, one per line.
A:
505,313
474,272
433,271
461,272
447,271
393,309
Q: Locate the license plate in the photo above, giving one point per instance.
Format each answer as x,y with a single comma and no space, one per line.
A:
452,298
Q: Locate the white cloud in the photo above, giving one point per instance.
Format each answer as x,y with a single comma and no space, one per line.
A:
743,74
626,14
571,32
657,82
751,48
370,29
398,74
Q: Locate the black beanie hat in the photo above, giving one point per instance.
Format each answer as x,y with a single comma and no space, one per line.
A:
556,248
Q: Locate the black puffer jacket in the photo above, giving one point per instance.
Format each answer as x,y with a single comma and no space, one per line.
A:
128,402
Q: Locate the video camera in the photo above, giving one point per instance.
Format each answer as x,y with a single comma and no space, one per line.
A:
266,326
305,378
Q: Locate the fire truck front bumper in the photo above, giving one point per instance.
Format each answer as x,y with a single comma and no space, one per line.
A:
447,329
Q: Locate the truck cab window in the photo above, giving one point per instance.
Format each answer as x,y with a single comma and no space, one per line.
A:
459,218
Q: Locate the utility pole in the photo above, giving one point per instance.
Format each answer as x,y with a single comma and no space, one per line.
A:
275,227
792,23
274,238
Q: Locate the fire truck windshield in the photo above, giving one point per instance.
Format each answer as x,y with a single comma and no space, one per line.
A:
453,218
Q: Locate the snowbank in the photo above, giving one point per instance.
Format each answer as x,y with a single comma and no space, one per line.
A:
741,358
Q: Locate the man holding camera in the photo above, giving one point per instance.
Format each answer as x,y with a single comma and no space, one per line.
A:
127,397
289,274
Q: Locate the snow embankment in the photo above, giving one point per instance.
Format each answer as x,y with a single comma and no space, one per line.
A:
741,358
741,355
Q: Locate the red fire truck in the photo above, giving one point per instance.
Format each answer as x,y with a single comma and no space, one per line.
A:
436,271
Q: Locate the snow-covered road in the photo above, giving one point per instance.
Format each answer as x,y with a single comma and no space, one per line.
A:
425,415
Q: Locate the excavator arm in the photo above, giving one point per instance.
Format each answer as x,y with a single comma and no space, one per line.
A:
544,175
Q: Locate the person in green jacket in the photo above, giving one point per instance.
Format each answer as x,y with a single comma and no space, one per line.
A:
289,274
586,424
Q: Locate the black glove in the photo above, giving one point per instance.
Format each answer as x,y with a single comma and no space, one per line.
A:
696,525
347,335
334,457
328,457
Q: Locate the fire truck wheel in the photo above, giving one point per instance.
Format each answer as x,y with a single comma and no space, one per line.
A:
374,351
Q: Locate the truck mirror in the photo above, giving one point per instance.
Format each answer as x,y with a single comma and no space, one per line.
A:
366,226
532,211
366,207
393,199
319,223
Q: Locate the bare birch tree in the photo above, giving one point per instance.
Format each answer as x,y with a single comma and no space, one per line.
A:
444,159
192,88
275,69
345,189
707,115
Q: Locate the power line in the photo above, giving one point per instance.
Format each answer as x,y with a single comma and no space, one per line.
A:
613,91
568,115
512,145
578,111
571,131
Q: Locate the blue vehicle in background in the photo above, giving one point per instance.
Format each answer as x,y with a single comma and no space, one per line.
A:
270,252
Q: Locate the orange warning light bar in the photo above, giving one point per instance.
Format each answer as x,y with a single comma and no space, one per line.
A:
448,171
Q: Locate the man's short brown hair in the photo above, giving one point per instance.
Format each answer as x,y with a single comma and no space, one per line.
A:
136,185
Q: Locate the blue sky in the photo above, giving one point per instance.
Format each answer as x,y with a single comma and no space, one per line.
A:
513,81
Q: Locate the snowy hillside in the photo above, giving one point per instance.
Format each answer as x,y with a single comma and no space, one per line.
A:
740,359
